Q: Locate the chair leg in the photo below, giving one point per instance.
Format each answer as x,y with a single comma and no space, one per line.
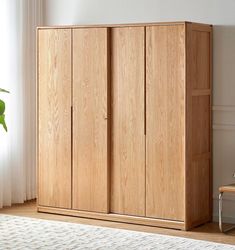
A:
220,212
221,215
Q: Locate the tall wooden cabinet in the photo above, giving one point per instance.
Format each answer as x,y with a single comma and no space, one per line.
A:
124,122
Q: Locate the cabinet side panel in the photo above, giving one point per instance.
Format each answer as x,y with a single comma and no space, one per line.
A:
54,118
165,123
90,82
128,139
198,157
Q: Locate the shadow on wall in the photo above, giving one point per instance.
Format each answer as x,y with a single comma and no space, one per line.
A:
224,114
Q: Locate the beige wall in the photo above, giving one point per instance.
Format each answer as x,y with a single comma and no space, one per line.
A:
220,13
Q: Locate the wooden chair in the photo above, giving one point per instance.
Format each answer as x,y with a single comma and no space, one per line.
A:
229,189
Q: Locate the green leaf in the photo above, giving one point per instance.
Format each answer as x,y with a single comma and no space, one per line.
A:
2,107
2,122
3,90
2,110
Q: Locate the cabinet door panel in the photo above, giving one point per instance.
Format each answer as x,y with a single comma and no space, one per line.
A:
128,139
165,122
54,118
90,114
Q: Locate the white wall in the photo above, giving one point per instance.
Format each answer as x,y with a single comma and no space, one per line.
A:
220,13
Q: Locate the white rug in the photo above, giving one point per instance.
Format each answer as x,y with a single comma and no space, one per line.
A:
26,233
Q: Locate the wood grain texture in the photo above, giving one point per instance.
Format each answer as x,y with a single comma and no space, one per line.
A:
54,118
128,139
198,133
200,124
200,59
200,190
165,121
90,84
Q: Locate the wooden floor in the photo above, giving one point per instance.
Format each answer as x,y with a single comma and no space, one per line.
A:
208,231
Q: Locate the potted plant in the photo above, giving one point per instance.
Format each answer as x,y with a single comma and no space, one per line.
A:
2,111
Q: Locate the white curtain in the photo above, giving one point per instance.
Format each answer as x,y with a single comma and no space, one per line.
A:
18,21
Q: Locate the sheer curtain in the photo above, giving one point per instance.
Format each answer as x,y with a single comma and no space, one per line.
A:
18,21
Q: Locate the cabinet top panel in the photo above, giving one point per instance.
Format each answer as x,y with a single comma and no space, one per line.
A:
118,25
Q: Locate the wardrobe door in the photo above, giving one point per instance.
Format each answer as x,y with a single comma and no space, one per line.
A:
165,122
128,138
54,117
90,119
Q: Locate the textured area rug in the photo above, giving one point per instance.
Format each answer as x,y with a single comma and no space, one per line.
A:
26,233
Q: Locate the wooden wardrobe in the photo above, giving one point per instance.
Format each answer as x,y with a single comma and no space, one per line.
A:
124,122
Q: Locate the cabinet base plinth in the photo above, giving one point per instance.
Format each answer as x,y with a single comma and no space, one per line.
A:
115,217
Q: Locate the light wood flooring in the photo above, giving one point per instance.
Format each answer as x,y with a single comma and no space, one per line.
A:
209,231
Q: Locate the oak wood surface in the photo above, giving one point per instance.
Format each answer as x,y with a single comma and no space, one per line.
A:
199,191
165,121
198,133
54,118
128,139
200,59
200,124
90,117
